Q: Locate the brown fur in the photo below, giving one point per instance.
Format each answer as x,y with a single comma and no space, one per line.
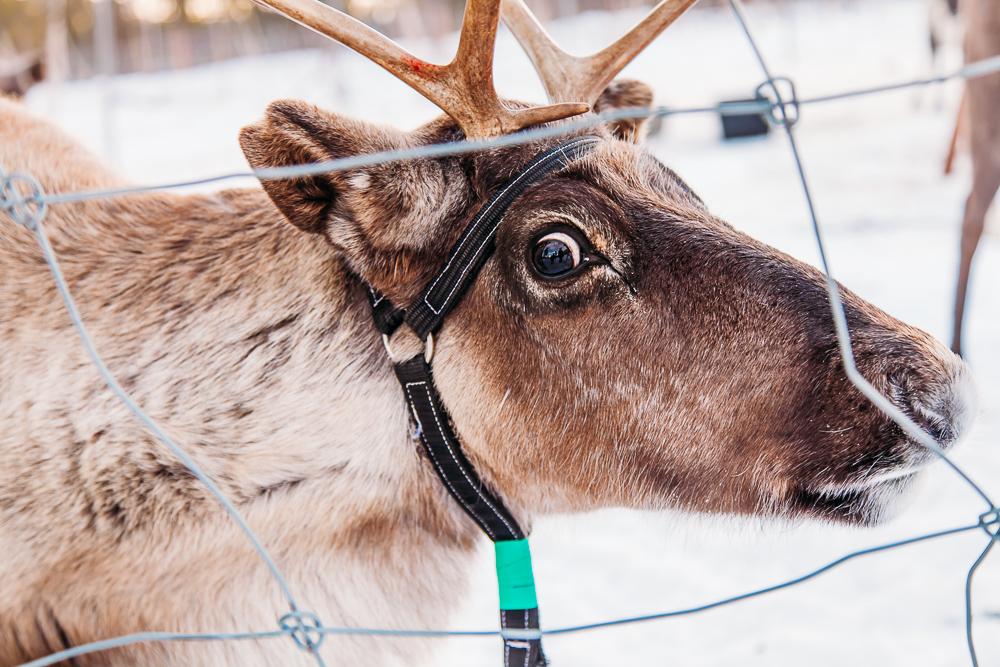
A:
982,100
698,369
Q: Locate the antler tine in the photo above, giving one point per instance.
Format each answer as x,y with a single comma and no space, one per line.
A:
463,88
571,78
477,40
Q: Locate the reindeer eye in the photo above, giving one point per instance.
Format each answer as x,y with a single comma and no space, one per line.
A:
556,254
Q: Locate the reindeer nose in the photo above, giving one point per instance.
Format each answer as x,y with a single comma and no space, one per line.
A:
943,406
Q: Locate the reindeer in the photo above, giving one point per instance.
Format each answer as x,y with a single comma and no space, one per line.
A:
981,108
618,346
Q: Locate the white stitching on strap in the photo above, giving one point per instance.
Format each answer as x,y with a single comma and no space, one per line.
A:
506,643
437,464
527,651
483,213
376,298
451,451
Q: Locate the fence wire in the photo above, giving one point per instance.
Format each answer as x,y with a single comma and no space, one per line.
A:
22,197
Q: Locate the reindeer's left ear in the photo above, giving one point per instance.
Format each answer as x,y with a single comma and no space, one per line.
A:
626,94
380,217
296,133
369,213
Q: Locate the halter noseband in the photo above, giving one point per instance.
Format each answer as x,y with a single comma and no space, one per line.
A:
518,603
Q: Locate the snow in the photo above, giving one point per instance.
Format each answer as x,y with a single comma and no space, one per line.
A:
891,222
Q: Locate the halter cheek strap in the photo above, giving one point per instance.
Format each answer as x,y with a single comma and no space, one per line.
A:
518,603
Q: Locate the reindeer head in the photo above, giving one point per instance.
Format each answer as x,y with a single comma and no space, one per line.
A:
622,346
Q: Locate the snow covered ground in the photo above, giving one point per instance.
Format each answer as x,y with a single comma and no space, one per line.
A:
892,225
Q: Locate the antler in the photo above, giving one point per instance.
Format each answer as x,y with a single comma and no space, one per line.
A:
570,78
463,88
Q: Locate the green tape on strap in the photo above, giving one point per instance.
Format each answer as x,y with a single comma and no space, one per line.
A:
514,575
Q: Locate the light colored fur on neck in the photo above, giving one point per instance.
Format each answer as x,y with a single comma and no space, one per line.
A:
251,345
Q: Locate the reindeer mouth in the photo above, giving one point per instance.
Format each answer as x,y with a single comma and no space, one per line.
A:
867,503
875,498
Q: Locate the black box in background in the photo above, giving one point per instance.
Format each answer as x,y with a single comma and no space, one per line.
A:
736,126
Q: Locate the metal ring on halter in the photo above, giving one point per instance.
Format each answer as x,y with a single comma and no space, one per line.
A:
428,347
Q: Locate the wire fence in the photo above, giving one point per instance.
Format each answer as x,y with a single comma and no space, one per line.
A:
22,197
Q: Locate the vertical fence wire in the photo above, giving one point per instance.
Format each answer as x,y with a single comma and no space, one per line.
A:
840,321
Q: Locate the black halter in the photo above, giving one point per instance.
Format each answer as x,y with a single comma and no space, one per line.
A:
518,605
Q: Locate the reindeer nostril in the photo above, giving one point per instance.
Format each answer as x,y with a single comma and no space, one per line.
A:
937,426
943,407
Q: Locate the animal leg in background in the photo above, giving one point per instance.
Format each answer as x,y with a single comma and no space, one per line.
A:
986,180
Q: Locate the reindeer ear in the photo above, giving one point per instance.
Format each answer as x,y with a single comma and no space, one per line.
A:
294,133
626,94
379,216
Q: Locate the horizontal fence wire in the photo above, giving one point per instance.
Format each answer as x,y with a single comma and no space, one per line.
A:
127,640
26,203
764,106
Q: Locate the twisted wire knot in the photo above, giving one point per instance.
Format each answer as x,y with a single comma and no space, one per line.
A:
990,522
780,92
21,197
305,628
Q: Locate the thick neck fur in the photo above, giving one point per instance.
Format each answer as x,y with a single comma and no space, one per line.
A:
252,346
